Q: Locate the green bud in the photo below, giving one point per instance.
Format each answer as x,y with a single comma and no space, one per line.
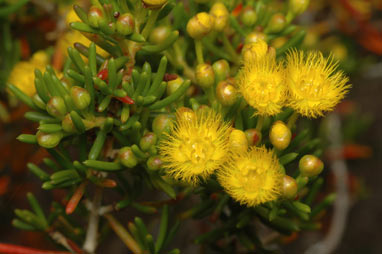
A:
280,135
66,82
205,76
248,16
127,157
154,4
289,187
159,34
161,124
67,124
226,93
200,25
56,107
255,37
173,85
95,14
310,165
112,27
154,163
81,97
147,141
221,69
253,137
125,24
49,140
277,23
298,6
38,102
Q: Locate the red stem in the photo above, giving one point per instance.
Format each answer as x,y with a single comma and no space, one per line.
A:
75,199
15,249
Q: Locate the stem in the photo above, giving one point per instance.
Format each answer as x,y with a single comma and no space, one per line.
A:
187,71
259,124
4,115
199,51
90,243
292,120
210,94
229,48
150,23
123,234
62,240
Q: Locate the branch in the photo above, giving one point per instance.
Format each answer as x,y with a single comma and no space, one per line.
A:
341,205
90,243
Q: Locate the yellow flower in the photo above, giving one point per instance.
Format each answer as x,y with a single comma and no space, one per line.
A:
262,85
314,86
253,177
22,74
196,146
71,37
71,16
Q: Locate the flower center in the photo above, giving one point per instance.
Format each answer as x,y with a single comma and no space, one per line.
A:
250,177
311,85
199,149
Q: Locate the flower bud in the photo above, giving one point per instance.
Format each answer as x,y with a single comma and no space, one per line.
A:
226,93
310,165
289,187
66,82
253,137
186,114
200,25
38,102
238,141
56,107
161,124
271,52
127,157
205,76
81,97
48,140
159,34
248,16
154,4
254,37
277,23
254,51
125,24
173,85
95,14
279,42
154,163
280,135
220,14
147,141
298,6
221,69
67,124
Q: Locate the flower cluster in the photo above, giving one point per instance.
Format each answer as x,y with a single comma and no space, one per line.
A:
201,143
306,82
